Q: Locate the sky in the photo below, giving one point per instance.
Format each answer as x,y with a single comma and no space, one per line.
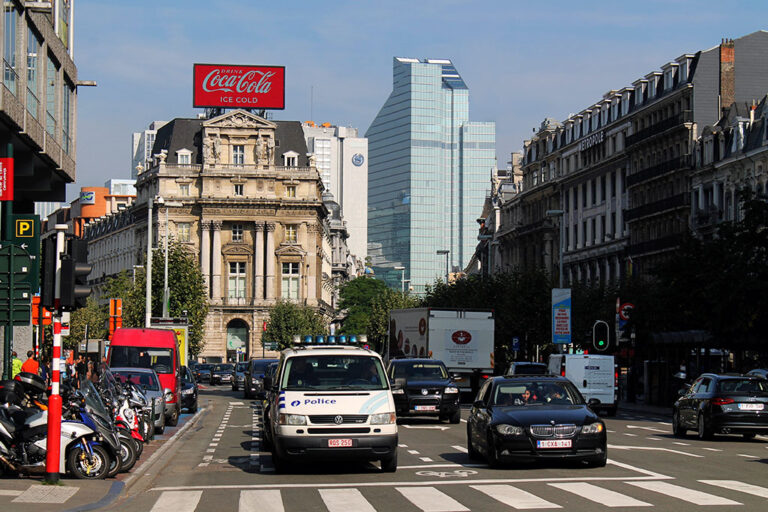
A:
522,61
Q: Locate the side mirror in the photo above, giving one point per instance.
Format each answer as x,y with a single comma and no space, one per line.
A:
401,383
682,391
478,404
593,402
455,376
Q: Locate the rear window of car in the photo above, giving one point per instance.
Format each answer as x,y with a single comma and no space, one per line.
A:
742,386
140,379
419,371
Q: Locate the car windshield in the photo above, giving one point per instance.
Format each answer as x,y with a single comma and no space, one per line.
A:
333,372
223,367
535,393
140,379
260,367
241,367
202,367
742,386
420,371
158,359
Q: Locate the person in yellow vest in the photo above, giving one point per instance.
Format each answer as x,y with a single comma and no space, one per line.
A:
16,365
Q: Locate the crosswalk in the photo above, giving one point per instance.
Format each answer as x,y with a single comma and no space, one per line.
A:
468,497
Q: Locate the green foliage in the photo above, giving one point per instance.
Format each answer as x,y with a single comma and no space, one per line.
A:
288,319
378,321
186,286
94,316
357,297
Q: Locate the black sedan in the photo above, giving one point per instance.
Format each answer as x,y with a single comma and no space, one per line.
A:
722,404
202,372
188,390
530,418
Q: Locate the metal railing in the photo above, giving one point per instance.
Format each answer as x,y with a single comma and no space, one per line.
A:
668,203
658,170
686,116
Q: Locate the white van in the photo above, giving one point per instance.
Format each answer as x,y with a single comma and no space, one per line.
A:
330,402
594,375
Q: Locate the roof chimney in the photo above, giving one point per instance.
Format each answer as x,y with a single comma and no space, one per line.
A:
752,113
727,74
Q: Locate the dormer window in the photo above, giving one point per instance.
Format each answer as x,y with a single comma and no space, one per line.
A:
184,157
290,159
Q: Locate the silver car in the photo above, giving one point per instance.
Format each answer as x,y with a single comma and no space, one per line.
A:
148,382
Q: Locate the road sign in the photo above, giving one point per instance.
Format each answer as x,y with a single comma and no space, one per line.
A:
516,344
24,230
625,310
6,179
561,315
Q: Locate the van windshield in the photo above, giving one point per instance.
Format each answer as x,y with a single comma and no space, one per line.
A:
333,372
159,359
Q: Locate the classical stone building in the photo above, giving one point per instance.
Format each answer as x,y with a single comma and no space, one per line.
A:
242,193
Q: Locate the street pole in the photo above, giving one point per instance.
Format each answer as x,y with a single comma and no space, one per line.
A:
148,298
53,442
166,292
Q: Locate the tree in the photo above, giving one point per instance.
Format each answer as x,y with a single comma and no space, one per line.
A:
357,297
93,315
187,293
288,319
378,323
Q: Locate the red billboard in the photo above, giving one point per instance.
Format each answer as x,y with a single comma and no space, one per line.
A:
232,86
6,179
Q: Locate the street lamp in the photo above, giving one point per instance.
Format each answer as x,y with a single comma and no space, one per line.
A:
402,279
561,214
148,297
166,290
446,252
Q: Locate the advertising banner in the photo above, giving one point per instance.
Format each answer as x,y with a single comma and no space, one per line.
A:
561,315
6,179
232,86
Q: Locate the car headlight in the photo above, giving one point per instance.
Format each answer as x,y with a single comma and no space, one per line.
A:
451,390
292,419
398,391
593,428
256,381
509,430
188,391
383,418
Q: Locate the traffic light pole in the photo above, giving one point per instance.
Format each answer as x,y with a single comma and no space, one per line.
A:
53,444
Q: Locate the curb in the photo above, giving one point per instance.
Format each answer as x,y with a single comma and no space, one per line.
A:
130,481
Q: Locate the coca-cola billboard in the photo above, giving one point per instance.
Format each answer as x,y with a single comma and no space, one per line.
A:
232,86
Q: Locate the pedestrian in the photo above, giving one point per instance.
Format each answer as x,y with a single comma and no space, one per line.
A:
45,371
31,365
16,365
81,369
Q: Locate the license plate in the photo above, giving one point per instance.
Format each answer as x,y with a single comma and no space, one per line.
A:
554,443
339,443
751,407
424,408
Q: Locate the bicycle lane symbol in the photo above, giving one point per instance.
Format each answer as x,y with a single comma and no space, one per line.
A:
458,473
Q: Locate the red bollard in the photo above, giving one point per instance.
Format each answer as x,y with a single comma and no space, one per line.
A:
53,444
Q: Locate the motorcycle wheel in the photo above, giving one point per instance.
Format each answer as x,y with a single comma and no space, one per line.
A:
127,454
94,469
115,465
138,447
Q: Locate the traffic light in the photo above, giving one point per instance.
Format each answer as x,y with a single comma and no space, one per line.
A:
601,335
48,273
74,276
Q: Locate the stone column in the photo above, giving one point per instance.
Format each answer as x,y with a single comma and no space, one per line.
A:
700,194
216,281
205,253
716,196
270,281
258,271
619,228
310,265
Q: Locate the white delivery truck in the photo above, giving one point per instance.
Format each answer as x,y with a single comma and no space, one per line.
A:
462,339
594,375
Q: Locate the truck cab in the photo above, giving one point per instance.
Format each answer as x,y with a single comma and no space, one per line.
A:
330,402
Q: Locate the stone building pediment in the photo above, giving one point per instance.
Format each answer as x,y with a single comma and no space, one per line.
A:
239,119
290,250
236,249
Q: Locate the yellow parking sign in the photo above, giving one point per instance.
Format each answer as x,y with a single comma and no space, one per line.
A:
25,228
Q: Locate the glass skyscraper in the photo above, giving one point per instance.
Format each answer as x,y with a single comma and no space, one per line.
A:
428,173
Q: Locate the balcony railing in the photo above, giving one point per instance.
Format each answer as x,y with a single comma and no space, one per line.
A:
237,301
686,116
669,203
660,244
657,170
709,216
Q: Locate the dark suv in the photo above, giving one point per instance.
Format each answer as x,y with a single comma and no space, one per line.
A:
253,382
423,387
722,404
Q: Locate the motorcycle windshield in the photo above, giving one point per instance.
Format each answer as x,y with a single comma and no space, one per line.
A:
93,399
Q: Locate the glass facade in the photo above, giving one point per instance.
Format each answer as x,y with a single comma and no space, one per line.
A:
429,170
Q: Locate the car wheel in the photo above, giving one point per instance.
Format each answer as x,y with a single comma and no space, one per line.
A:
677,428
493,454
193,407
456,417
389,465
748,437
174,419
161,428
704,431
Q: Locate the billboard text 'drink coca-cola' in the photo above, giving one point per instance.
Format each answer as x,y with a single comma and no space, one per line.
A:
233,86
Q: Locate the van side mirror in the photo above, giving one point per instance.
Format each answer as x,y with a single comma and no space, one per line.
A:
478,404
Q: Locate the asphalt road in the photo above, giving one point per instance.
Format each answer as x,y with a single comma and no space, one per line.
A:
217,465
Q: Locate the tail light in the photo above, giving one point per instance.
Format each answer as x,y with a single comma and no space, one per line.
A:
562,369
485,376
722,401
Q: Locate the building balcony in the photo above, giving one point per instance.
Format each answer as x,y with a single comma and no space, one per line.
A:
658,170
658,245
686,116
670,203
237,301
707,217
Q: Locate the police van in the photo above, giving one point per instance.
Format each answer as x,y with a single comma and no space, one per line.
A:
330,402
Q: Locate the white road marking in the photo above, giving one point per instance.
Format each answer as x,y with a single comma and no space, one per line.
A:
403,445
8,492
413,452
344,500
735,485
713,449
260,501
655,439
649,428
600,495
681,444
611,431
235,403
664,423
426,427
748,456
463,421
514,497
653,448
630,435
210,450
683,493
426,459
178,501
207,457
429,499
459,448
